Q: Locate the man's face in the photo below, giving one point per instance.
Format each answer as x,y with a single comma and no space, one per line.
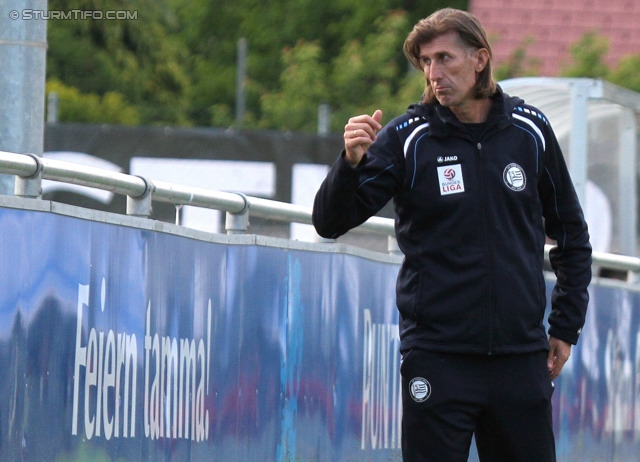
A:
451,68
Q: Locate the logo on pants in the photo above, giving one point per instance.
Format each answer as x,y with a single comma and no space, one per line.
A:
420,389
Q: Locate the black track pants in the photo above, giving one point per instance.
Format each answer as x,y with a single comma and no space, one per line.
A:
504,400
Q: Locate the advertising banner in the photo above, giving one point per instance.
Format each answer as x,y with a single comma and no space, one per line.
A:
124,343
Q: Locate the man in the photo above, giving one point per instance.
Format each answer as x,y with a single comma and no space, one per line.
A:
477,179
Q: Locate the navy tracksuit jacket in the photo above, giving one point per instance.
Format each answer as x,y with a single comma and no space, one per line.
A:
471,215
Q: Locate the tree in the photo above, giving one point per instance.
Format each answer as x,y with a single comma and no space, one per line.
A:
519,63
367,75
588,60
303,88
132,57
587,57
626,72
74,106
176,63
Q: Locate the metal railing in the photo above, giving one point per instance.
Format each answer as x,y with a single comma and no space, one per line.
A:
30,170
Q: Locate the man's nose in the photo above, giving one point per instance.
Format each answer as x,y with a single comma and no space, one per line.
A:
433,72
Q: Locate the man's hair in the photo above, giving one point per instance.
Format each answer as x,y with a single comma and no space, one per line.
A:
472,35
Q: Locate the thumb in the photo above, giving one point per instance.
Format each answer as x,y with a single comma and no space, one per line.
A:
377,116
551,356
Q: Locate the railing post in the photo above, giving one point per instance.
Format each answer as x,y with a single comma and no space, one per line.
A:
633,277
141,206
30,186
392,246
238,223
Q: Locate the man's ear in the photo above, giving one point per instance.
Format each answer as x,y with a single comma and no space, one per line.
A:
482,56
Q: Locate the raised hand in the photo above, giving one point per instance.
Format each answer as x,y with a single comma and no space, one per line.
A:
359,133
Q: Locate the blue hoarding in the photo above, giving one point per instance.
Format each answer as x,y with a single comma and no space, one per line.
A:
125,343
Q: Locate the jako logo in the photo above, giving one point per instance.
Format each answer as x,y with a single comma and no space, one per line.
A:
449,174
442,159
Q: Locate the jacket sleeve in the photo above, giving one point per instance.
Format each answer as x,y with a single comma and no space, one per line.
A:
349,196
571,257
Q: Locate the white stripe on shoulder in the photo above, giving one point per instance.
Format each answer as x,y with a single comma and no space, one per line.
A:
413,134
535,128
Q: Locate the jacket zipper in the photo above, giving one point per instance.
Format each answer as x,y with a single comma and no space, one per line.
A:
485,228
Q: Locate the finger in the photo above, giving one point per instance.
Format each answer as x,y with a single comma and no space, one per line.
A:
560,362
555,365
369,124
362,134
551,359
552,362
358,137
377,116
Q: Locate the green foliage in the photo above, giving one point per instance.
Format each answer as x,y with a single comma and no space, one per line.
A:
135,58
626,73
74,106
588,60
302,90
367,75
175,63
587,57
519,63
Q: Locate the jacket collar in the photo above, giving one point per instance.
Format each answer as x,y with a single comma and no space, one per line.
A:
442,121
